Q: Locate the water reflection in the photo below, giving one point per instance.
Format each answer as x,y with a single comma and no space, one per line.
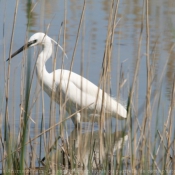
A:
31,16
84,147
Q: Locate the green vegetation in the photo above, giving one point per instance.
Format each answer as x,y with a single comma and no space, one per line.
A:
137,148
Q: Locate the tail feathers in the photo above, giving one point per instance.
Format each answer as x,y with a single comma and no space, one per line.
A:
116,108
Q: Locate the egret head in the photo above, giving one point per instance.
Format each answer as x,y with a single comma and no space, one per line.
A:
38,38
35,39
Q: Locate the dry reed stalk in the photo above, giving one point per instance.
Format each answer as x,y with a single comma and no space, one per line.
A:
53,111
81,150
53,114
62,110
105,69
150,153
3,151
52,103
170,120
146,127
8,73
35,105
105,75
27,80
7,137
74,51
63,103
169,115
132,149
102,80
113,27
22,92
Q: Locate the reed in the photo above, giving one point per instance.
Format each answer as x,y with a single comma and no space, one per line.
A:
138,148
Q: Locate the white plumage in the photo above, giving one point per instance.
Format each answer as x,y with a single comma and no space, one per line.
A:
81,93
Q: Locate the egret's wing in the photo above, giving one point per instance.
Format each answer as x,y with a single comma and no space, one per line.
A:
84,93
76,95
80,82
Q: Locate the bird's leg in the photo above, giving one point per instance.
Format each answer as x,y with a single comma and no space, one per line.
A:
76,120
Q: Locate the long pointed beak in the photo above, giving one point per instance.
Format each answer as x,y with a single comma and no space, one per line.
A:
22,48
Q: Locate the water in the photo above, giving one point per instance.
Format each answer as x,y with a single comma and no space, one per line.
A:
91,47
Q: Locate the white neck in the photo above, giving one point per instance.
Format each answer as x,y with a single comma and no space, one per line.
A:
41,60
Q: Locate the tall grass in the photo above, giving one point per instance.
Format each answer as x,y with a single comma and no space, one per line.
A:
134,149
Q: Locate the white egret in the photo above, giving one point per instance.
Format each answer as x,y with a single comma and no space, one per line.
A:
81,93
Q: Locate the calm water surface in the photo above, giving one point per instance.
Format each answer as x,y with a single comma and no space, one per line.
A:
91,47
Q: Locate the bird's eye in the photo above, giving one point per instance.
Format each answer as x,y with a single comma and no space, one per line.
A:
35,41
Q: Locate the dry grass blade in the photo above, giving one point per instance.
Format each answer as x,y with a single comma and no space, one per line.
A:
170,117
8,74
72,61
133,87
